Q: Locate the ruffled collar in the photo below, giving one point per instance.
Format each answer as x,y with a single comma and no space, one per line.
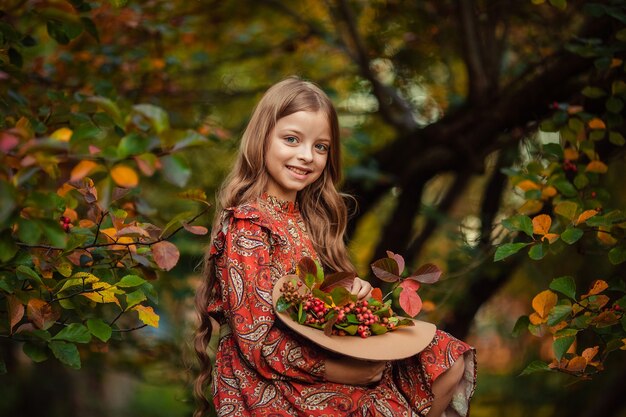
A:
275,203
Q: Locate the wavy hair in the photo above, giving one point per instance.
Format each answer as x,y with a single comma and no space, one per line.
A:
323,208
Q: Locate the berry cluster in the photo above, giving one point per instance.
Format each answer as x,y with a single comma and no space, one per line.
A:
66,223
569,166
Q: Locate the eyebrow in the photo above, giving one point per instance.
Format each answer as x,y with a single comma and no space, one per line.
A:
297,132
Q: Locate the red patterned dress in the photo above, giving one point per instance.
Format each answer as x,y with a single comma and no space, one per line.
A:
263,369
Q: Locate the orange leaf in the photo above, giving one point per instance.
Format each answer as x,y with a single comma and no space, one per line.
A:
606,318
196,230
428,306
598,286
551,237
598,167
590,353
599,301
82,169
596,123
526,185
576,364
548,192
124,176
536,319
41,313
147,315
605,237
377,294
63,134
544,302
623,347
165,255
541,224
571,154
585,215
15,310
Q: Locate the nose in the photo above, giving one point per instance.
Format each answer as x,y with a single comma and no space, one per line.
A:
305,154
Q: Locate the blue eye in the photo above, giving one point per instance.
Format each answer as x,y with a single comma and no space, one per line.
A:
322,147
291,139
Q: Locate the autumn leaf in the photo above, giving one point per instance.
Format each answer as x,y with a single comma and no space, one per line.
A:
124,176
82,169
399,260
530,207
596,123
15,310
377,294
605,237
550,237
41,313
341,279
63,134
103,293
541,224
585,215
570,154
544,302
590,353
196,230
147,315
165,255
409,300
548,192
576,364
427,274
598,287
598,167
527,185
386,269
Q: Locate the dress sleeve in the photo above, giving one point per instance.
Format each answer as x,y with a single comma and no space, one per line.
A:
247,282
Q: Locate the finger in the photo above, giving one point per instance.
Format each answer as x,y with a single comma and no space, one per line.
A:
363,292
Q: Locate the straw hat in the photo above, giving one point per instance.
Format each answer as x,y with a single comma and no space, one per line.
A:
401,343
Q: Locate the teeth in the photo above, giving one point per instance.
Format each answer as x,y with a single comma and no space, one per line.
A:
298,171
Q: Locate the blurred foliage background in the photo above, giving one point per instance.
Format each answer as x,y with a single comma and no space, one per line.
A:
443,104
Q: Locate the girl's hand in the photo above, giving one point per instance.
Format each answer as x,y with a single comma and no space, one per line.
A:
362,289
346,370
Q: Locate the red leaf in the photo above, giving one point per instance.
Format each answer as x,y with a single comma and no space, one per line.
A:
386,269
410,302
427,274
338,279
306,266
399,259
377,294
196,230
132,231
165,255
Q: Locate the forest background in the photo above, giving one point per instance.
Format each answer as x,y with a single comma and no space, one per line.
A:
483,136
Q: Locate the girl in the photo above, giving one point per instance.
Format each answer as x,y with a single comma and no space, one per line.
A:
278,205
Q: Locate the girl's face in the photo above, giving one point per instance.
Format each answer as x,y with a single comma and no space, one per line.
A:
297,153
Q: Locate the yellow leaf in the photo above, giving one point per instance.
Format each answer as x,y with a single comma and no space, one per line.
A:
541,224
102,293
605,237
530,207
63,134
147,315
124,176
64,189
571,154
576,364
598,167
596,123
527,185
536,319
544,302
623,347
82,169
585,215
551,237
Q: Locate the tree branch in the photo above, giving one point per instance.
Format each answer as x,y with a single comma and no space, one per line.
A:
479,81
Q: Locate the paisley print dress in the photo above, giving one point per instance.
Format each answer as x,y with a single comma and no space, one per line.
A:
263,369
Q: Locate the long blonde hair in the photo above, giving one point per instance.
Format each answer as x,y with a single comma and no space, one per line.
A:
322,206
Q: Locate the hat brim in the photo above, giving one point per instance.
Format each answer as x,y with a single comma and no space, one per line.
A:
401,343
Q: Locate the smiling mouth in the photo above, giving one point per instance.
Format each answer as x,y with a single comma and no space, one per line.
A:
298,170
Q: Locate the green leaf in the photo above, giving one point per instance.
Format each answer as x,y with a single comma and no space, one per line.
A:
560,4
100,329
90,27
35,351
340,296
130,281
7,196
378,329
176,170
536,366
3,367
617,139
553,149
75,332
617,255
593,92
118,3
132,144
614,105
581,181
507,250
134,298
520,325
351,329
538,251
282,305
565,187
155,115
66,352
8,248
567,209
571,235
561,345
558,313
565,285
54,234
519,223
301,315
25,273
